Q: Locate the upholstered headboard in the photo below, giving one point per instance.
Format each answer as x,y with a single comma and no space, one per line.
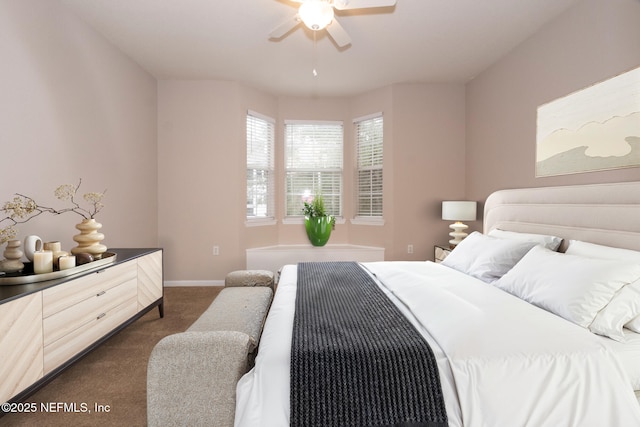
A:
607,214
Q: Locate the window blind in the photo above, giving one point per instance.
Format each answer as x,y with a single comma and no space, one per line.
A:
260,166
313,165
369,147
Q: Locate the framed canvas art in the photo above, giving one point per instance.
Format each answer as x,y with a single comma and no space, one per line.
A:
596,128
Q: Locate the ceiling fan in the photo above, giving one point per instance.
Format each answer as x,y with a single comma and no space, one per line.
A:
318,15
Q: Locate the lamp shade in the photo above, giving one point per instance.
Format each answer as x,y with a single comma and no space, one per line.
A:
459,210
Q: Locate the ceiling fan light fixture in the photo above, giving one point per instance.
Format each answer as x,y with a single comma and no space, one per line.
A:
316,14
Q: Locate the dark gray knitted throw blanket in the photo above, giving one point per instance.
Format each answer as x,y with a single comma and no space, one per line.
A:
355,359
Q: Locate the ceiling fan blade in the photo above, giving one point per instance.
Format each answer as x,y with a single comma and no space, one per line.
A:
338,34
285,27
361,4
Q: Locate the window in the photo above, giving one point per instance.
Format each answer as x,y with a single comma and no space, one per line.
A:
313,165
260,167
369,163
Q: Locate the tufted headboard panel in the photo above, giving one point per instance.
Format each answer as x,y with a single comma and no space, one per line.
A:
607,214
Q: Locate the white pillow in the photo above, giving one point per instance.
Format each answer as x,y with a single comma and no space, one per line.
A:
591,250
572,287
486,258
549,242
624,308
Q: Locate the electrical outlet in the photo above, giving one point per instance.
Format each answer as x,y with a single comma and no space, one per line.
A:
410,249
216,250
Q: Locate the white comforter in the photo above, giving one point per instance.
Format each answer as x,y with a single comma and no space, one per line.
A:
502,362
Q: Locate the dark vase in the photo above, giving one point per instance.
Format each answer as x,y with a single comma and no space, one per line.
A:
318,229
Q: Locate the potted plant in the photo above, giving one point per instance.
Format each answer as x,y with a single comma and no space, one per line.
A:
317,222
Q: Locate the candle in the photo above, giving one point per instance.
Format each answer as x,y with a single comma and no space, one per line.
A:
67,261
56,256
52,246
42,262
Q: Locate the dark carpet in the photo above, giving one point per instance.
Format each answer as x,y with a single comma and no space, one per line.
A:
113,377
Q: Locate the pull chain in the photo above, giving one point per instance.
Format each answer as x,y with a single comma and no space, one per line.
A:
315,59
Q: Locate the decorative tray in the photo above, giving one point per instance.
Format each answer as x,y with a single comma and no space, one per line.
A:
27,276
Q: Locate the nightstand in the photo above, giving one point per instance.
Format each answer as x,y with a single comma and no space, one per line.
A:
440,253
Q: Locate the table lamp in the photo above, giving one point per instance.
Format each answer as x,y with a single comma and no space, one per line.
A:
458,211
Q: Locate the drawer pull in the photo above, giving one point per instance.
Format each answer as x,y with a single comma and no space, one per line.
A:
101,293
100,316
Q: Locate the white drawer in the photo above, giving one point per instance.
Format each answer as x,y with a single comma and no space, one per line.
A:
73,343
60,297
66,321
149,279
20,344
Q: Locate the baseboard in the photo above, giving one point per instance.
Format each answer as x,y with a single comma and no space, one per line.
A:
179,283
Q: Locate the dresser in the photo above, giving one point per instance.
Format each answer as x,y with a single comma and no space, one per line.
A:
47,326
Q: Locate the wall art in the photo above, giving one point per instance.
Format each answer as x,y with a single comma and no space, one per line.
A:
596,128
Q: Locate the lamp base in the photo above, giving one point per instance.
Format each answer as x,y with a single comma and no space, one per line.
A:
458,234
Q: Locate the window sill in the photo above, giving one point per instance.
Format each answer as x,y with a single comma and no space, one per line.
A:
367,221
260,222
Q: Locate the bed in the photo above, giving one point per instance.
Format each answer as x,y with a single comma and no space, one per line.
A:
513,340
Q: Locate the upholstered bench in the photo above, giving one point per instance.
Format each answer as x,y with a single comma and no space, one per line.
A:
192,375
241,309
249,278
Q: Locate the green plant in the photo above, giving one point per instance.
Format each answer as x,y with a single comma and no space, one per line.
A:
315,209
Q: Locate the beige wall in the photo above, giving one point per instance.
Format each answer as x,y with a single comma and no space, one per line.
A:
201,157
73,106
171,153
424,140
200,198
589,43
428,167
